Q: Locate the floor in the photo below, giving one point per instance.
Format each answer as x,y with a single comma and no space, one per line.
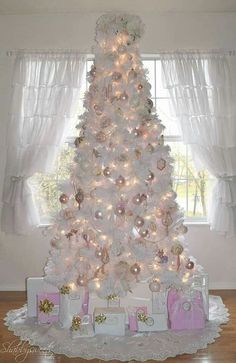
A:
12,350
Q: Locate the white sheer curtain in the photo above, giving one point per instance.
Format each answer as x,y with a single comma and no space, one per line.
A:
201,94
45,92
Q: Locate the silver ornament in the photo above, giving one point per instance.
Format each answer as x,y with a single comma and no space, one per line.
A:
120,181
135,269
98,252
81,280
139,221
137,199
143,232
107,171
154,286
119,211
98,110
150,176
124,96
98,214
189,265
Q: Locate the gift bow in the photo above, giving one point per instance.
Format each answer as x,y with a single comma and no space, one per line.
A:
76,322
142,317
100,318
46,306
65,289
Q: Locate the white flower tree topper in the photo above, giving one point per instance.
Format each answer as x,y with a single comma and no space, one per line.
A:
120,221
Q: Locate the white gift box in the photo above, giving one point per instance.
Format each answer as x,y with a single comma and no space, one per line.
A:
70,305
201,283
153,322
85,330
109,321
35,286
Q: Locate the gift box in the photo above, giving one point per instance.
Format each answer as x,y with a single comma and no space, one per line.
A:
201,283
82,326
109,321
48,307
132,316
72,303
36,285
185,310
152,322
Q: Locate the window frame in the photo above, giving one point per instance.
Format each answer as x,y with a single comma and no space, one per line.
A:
168,138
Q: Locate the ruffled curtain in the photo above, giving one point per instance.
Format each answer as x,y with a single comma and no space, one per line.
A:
201,95
45,93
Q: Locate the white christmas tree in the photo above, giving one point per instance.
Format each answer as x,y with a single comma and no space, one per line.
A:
121,223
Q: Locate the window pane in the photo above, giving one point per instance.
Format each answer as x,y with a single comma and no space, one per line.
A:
149,65
163,110
198,195
160,90
180,187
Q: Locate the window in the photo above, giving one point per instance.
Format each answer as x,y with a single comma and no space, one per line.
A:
192,187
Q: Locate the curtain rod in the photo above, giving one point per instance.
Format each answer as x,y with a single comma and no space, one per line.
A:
229,52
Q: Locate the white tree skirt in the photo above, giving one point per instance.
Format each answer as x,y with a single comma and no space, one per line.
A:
140,346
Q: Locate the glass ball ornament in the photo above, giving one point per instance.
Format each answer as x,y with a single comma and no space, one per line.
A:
189,265
143,233
154,286
137,199
135,269
98,252
101,136
139,221
98,110
107,172
140,87
116,76
81,280
177,249
120,211
120,181
63,198
182,229
124,96
98,214
56,243
137,132
150,103
150,176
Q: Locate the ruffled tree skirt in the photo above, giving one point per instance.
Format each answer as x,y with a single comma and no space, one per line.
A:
139,346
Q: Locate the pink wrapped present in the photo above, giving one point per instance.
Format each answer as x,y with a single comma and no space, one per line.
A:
186,311
132,316
48,307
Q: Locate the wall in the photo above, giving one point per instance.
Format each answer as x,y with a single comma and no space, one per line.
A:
25,256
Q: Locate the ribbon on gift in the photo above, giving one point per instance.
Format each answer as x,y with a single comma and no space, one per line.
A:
132,316
85,303
143,318
46,306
